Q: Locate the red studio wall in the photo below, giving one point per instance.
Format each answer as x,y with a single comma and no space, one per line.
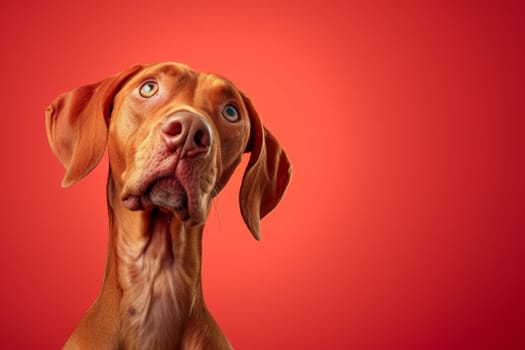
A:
403,226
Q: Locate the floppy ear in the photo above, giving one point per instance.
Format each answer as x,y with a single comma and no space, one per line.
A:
77,125
267,174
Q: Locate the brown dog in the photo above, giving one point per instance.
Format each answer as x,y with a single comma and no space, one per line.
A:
174,138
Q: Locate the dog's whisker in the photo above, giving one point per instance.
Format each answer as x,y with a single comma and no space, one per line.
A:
215,202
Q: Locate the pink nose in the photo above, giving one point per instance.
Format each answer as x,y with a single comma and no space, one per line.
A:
187,131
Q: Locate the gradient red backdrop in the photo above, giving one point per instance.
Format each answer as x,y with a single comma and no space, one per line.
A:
403,227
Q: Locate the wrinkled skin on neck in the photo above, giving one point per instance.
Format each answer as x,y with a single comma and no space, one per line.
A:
157,263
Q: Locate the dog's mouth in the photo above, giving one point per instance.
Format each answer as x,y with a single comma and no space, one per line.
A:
165,191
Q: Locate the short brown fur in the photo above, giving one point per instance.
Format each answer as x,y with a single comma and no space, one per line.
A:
151,296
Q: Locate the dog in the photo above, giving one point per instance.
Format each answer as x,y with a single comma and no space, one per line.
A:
174,137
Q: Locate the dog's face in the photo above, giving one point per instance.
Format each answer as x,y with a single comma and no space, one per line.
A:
174,138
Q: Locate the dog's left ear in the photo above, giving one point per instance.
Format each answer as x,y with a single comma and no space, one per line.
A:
77,125
267,174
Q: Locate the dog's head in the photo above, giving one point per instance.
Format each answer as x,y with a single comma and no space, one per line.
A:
174,138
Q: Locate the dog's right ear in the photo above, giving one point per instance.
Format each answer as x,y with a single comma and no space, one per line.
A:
77,124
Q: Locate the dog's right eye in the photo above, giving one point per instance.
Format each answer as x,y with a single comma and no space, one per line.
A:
149,89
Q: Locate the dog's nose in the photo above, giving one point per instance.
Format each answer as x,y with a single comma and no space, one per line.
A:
188,131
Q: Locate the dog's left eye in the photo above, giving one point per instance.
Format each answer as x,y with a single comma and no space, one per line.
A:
149,89
230,113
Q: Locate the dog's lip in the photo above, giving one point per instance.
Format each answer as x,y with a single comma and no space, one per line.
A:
132,196
160,179
135,199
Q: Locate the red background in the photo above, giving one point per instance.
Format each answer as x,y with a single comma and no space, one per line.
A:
403,227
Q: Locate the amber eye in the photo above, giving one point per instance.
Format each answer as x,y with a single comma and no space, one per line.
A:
149,89
230,113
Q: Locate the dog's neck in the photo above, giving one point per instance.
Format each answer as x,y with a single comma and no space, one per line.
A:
155,262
